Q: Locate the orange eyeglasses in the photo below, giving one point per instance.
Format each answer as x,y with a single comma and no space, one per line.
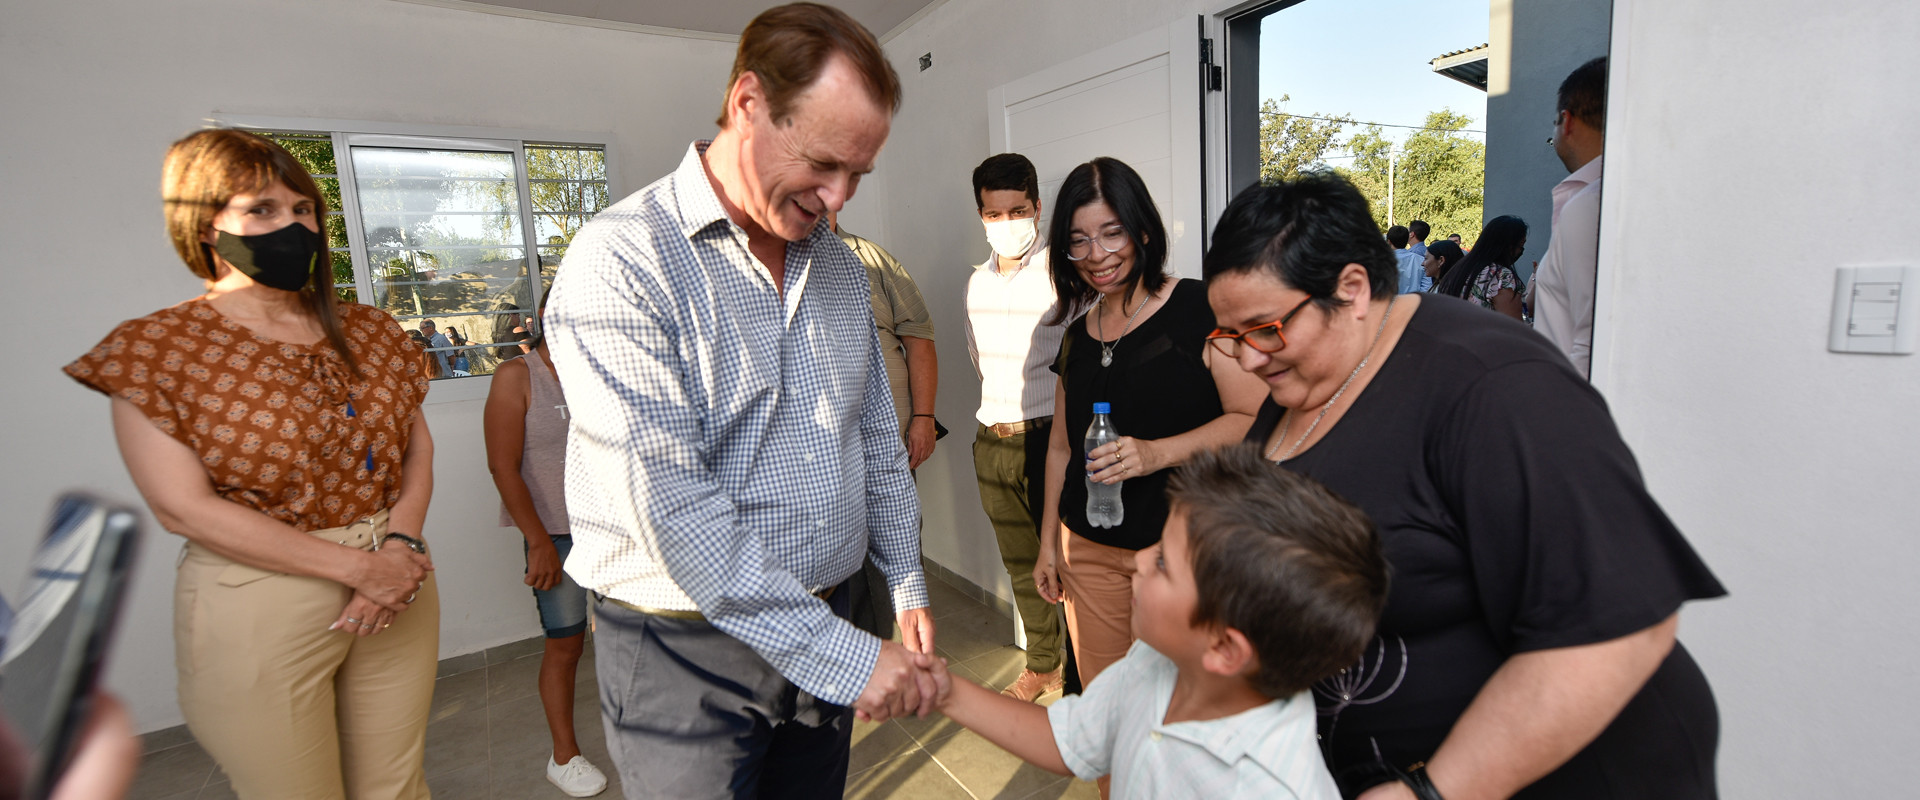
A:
1264,338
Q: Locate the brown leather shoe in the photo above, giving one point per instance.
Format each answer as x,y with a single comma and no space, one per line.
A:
1030,686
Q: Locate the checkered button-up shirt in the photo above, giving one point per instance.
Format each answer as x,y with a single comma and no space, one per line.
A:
733,448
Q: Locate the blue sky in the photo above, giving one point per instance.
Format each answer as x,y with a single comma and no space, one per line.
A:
1368,59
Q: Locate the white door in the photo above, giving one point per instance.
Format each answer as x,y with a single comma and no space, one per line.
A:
1135,100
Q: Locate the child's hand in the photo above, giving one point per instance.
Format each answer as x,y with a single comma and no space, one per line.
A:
942,683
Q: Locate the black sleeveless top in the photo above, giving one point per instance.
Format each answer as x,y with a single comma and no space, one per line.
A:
1158,385
1514,519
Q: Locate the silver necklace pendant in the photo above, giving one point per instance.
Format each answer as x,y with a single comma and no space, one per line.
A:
1106,356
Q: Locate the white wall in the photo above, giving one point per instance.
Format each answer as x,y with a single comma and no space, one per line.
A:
919,205
1753,146
94,91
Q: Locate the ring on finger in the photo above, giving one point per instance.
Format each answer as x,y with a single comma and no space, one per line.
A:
409,600
352,620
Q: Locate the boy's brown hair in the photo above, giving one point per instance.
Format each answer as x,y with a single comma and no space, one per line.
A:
1281,559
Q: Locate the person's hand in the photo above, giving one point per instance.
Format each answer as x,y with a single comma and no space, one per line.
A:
391,575
1391,790
942,683
105,758
363,617
901,684
920,441
1046,574
1123,458
916,629
543,566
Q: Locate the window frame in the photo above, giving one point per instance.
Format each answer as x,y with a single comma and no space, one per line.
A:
347,134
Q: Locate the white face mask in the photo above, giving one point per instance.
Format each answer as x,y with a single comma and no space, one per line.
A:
1011,237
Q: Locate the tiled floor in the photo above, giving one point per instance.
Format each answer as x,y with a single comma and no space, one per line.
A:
488,738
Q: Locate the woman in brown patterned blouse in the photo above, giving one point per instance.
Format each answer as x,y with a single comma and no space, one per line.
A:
280,433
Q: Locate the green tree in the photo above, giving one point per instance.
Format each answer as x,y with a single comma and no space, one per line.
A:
1439,176
1292,144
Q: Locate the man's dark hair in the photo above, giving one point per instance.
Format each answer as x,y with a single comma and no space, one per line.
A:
788,47
1584,94
1419,229
1113,182
1304,232
1005,172
1281,559
1397,236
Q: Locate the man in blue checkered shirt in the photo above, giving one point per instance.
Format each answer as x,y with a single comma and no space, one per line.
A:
734,455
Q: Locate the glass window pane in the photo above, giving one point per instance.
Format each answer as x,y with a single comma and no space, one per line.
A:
552,230
566,163
313,150
342,267
466,344
347,293
445,243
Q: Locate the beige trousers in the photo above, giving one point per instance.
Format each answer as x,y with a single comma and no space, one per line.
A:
291,710
1098,583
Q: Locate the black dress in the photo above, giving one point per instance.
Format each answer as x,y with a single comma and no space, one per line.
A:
1514,519
1158,385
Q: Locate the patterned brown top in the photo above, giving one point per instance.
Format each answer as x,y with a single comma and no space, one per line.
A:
282,428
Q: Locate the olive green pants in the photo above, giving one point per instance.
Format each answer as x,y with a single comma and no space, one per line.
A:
1012,476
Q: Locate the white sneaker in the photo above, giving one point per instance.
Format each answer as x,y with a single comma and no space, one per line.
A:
578,777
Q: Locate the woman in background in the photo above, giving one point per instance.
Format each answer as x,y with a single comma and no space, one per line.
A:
279,432
1144,353
1485,277
526,430
1440,256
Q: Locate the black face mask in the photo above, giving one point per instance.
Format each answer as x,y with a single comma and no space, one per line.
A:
284,259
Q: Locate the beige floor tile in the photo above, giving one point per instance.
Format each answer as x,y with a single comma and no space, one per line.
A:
453,694
467,783
945,600
873,744
988,771
914,776
182,768
513,679
964,636
457,742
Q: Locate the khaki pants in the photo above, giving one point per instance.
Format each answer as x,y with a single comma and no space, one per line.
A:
292,710
1098,581
1012,475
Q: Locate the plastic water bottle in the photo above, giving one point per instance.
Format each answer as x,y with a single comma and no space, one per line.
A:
1103,500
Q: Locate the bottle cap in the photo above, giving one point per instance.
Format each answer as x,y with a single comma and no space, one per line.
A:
1102,408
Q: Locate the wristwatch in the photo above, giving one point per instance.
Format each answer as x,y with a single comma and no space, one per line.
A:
412,544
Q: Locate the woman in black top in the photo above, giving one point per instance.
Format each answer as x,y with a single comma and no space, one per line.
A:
1141,348
1527,648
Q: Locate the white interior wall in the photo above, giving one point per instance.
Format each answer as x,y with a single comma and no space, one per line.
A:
1752,147
95,90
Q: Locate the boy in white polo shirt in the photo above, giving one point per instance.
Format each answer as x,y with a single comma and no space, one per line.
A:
1263,583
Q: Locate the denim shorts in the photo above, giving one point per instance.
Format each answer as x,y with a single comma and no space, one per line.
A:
563,608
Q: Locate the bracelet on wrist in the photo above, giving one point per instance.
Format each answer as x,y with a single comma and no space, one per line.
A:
412,543
1415,778
928,416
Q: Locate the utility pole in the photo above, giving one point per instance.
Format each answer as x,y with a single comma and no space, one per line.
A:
1393,161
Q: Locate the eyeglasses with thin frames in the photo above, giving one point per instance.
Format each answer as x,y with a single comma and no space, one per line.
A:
1080,248
1264,338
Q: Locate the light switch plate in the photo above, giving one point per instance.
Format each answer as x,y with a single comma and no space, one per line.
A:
1876,309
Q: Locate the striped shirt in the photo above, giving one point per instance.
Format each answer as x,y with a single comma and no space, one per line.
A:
730,451
1012,351
1115,728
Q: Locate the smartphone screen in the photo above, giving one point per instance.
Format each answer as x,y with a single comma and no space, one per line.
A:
59,634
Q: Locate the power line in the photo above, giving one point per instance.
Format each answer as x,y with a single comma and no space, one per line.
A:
1381,124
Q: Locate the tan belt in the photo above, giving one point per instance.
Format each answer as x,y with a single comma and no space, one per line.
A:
676,613
1006,429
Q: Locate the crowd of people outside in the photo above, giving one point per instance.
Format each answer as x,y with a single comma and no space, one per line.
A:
1377,542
